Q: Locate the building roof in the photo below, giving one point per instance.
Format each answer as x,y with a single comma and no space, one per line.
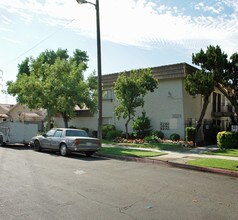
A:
6,111
3,116
172,71
4,108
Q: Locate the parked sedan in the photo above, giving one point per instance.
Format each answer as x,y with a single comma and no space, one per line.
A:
66,140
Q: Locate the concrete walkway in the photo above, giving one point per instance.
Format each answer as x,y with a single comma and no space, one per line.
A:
192,154
179,159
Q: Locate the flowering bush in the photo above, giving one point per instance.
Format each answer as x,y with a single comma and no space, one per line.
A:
150,139
130,141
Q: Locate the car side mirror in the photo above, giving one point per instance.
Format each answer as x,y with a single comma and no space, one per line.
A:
44,135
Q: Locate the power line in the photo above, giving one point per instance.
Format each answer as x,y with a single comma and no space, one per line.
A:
40,42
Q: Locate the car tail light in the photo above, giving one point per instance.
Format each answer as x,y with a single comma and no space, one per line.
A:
76,141
99,143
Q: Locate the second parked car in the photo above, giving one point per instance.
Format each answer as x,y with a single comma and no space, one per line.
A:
66,140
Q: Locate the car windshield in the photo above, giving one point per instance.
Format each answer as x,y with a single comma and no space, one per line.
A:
76,133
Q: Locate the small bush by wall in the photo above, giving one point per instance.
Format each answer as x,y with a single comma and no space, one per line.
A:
141,126
158,134
106,128
94,133
174,137
111,135
227,140
85,129
152,139
190,133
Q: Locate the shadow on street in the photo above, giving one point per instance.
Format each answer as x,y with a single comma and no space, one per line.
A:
76,156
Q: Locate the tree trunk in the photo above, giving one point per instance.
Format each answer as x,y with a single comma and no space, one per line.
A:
48,126
126,126
203,112
66,123
66,119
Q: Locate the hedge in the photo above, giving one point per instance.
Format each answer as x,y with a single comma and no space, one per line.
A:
227,140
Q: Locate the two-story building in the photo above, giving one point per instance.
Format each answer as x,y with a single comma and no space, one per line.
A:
170,108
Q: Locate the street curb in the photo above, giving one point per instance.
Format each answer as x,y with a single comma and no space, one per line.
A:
172,164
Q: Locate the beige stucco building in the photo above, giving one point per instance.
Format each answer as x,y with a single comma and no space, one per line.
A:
170,108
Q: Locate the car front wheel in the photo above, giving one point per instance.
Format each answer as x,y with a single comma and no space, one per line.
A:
63,150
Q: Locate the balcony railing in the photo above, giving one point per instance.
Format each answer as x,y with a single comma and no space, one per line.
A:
224,111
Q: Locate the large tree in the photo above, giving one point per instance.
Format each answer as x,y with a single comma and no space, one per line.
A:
201,83
56,83
130,89
224,71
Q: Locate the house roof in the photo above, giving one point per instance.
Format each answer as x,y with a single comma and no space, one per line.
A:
172,71
3,116
4,108
6,111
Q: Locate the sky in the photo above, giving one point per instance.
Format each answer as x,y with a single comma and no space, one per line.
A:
134,33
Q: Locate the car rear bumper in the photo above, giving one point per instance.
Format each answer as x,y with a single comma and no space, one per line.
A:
83,148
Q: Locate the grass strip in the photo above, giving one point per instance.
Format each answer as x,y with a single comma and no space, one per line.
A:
225,152
158,146
215,163
129,152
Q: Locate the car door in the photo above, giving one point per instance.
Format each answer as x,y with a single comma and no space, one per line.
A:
56,139
46,141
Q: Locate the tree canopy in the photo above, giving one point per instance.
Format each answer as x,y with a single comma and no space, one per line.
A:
130,89
202,83
55,82
217,70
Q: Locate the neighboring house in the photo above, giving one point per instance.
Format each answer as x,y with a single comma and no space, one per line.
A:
4,108
20,113
170,108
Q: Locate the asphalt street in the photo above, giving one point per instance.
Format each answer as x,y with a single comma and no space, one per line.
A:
45,185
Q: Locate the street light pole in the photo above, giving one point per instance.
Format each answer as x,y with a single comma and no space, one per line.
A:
99,65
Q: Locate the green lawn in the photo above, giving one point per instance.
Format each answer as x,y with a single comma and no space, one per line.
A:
158,146
129,152
226,152
215,163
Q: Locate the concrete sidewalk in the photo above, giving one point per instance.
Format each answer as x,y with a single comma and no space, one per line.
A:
180,159
199,152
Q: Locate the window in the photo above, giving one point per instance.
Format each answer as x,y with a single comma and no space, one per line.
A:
216,104
164,126
50,133
76,133
58,133
107,94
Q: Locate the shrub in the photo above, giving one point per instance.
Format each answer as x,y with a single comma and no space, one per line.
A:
94,133
141,126
106,128
190,134
85,129
158,134
152,139
227,140
130,136
111,135
174,137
